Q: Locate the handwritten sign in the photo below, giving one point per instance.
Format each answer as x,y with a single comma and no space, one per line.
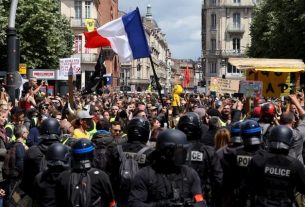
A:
223,86
275,84
65,65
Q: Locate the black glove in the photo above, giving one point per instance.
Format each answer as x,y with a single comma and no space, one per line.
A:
200,204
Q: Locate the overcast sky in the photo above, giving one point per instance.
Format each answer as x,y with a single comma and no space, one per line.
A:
180,20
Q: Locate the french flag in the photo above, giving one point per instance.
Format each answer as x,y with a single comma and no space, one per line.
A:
125,35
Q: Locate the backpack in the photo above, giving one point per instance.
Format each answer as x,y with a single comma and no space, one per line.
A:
9,167
79,191
100,158
129,167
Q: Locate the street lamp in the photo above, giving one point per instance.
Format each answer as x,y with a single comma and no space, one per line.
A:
12,51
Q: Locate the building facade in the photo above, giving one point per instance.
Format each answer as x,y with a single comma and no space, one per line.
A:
78,11
225,34
138,74
178,71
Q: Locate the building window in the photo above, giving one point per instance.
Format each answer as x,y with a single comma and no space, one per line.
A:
213,45
77,43
213,21
78,9
213,67
232,69
236,20
213,2
236,45
236,1
138,71
88,9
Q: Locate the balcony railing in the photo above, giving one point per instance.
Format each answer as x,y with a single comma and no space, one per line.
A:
81,22
238,52
86,57
241,3
212,52
236,28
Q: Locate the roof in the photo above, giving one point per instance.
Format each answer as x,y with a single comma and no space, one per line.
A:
272,65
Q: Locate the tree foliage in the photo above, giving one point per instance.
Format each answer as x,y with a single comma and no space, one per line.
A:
278,29
45,35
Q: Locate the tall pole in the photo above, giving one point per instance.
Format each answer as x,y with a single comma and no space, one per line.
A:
11,52
157,80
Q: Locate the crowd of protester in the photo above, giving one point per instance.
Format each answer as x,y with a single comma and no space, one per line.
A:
105,119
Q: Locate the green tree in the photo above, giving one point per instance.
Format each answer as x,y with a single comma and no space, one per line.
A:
278,29
45,35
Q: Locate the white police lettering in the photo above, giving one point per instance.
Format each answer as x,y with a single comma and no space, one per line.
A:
243,161
140,159
196,156
277,171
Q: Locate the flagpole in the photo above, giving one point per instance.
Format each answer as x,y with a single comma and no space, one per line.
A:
156,79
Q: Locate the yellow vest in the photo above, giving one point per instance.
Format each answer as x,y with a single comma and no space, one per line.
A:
92,131
78,134
11,127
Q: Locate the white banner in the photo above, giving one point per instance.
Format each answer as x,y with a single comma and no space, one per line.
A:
67,65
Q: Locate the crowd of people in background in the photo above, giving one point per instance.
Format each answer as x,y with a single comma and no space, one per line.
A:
217,138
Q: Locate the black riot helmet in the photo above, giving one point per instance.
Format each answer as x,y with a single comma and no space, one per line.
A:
250,132
138,129
82,154
172,145
58,156
235,133
280,138
50,129
191,125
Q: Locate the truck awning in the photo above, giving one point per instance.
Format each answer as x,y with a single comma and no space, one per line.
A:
265,64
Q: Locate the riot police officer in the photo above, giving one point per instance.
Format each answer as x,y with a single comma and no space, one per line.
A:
167,181
83,185
202,158
250,132
137,133
34,161
273,175
58,160
227,156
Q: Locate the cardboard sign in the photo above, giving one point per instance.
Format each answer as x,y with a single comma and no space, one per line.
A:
223,86
274,84
251,88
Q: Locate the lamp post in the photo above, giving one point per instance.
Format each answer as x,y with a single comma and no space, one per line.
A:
12,51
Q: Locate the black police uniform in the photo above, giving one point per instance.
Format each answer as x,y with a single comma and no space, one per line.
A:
83,185
138,133
57,158
238,161
100,193
152,187
274,176
34,159
167,182
273,179
202,158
